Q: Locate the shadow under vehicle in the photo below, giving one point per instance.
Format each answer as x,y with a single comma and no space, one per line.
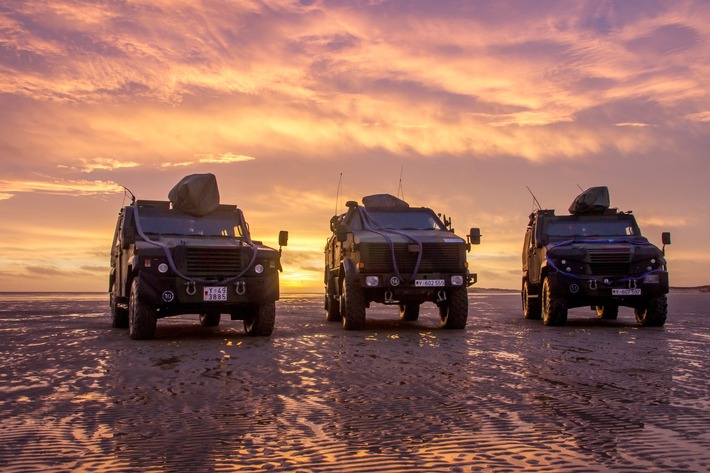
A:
191,255
387,252
595,256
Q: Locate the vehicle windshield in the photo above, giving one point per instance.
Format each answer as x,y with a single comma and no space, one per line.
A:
170,222
565,228
410,219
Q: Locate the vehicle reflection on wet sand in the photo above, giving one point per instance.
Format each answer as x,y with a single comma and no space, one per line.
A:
506,394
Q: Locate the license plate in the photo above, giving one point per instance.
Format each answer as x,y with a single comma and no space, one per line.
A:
429,283
215,293
626,292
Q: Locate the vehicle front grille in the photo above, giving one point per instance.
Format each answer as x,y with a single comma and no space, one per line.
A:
610,262
213,262
444,258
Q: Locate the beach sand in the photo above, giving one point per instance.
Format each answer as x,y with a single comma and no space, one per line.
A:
505,394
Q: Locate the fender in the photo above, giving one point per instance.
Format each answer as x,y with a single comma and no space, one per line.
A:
348,268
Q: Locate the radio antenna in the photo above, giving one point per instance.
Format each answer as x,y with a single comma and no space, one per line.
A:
537,204
127,190
400,191
337,193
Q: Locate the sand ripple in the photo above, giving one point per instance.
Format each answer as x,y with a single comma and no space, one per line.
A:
504,395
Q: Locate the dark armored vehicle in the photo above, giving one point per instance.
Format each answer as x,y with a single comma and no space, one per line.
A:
387,252
595,256
195,256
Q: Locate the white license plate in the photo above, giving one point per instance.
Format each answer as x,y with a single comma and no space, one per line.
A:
626,292
215,293
429,283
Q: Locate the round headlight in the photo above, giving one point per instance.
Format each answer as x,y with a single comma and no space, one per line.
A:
259,268
456,280
163,268
564,261
372,281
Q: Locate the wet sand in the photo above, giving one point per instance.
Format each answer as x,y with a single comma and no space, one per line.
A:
506,394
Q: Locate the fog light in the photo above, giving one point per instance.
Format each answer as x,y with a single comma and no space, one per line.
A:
568,269
654,278
456,280
372,281
163,268
259,268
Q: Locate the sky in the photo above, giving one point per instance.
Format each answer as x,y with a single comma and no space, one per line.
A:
460,106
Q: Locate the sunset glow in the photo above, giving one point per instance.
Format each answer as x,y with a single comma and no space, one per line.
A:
467,102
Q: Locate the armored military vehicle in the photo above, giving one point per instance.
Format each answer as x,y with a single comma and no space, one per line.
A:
387,252
191,255
595,256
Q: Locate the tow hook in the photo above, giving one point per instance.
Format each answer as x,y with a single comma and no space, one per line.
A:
388,297
592,284
632,284
240,287
191,288
441,296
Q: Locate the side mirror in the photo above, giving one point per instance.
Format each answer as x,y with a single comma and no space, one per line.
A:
666,238
474,236
283,238
341,232
333,222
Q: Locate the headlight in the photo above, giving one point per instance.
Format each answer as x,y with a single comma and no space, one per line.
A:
259,268
372,281
163,268
457,280
654,278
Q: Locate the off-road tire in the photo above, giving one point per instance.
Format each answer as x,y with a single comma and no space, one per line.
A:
141,319
210,319
453,312
531,305
119,315
260,319
554,311
409,312
332,304
352,305
607,312
654,313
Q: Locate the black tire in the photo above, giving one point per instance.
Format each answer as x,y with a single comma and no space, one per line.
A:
210,319
332,304
409,312
141,319
608,312
654,313
119,315
531,305
554,311
352,305
453,312
260,319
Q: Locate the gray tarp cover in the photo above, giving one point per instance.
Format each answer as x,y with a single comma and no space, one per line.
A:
383,200
594,199
196,194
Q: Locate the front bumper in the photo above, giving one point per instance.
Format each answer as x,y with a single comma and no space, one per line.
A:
171,296
389,289
594,290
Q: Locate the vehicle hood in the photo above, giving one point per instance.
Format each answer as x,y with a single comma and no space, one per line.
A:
408,236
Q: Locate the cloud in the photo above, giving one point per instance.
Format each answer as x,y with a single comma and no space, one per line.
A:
105,164
225,158
68,187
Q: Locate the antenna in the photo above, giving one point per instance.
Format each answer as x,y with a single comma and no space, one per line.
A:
400,191
580,187
337,193
127,190
537,204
